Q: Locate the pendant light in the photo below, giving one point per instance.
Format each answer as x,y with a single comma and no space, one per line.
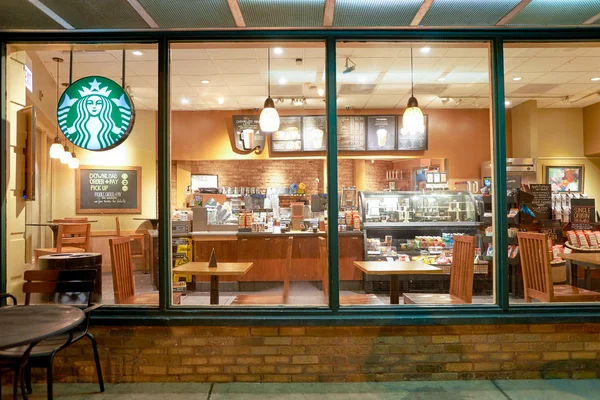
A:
74,162
413,121
269,118
66,156
57,149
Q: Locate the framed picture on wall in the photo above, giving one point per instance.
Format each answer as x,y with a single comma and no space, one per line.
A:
564,178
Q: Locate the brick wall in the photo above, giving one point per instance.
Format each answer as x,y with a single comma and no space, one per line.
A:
336,354
345,173
375,174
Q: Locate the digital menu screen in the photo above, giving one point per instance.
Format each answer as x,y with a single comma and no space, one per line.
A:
351,133
381,132
288,137
314,129
412,140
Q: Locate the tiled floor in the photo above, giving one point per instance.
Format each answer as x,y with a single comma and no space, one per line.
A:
451,390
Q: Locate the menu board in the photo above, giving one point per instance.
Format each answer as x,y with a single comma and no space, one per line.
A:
108,190
541,205
412,141
381,132
247,133
288,137
583,214
314,130
351,133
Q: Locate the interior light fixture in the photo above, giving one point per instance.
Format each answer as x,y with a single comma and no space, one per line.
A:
321,92
57,148
73,162
221,100
424,50
66,156
282,81
441,79
517,78
137,53
205,81
458,101
595,79
277,50
349,68
507,102
298,102
269,117
446,100
413,121
185,101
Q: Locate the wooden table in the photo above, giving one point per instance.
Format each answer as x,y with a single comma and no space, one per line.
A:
54,227
586,260
153,221
394,269
222,268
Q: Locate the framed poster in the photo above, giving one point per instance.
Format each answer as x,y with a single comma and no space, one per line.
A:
108,190
314,131
381,132
564,178
412,141
288,137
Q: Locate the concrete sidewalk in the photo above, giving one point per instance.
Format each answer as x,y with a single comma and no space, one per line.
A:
451,390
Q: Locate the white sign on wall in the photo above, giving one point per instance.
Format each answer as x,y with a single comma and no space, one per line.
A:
28,78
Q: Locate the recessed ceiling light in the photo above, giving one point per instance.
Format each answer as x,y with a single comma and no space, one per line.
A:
507,102
282,81
361,80
137,52
595,79
320,92
278,50
441,79
205,81
517,78
184,101
221,100
425,50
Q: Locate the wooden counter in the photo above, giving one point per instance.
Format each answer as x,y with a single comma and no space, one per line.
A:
267,252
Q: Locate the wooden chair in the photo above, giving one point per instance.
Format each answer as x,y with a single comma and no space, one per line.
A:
71,238
537,273
122,276
258,299
461,277
73,287
71,220
142,240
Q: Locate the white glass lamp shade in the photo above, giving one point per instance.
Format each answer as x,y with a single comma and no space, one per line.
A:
269,117
74,162
413,121
66,156
56,149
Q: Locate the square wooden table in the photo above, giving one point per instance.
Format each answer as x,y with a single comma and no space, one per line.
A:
394,269
586,260
222,268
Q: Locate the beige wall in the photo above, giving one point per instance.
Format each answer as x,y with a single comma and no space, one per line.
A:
524,120
138,150
591,130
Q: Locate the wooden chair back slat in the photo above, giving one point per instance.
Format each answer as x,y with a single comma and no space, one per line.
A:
461,273
120,257
74,235
289,244
535,263
59,281
323,265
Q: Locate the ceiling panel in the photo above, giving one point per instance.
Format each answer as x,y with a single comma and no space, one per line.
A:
194,67
539,64
190,13
282,13
24,15
94,14
467,13
580,64
375,12
556,12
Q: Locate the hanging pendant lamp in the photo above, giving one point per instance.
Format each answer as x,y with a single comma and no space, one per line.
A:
269,117
74,161
413,121
57,149
66,156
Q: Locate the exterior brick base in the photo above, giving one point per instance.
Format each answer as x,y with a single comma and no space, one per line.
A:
335,354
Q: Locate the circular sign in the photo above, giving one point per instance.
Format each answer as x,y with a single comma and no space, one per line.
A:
95,113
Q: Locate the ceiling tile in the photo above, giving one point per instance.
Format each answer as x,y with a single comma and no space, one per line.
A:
460,13
539,64
143,68
194,67
282,13
188,54
375,12
24,15
557,77
190,13
208,90
581,64
249,90
93,14
241,66
242,79
383,101
215,80
556,12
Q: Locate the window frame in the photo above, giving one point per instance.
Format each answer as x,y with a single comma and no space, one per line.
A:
166,314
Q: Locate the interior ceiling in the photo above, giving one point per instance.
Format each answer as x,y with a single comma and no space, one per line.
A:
244,14
447,76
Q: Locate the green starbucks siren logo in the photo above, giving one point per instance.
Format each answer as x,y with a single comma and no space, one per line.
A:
95,113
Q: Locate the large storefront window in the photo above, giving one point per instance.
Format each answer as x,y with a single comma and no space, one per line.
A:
553,172
248,194
97,212
415,212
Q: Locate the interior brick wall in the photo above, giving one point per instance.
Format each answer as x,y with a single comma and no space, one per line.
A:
375,174
335,354
345,173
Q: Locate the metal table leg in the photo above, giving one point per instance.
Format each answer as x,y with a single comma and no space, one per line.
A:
214,289
394,289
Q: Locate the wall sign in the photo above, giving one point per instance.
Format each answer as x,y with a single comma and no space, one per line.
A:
583,214
314,129
381,132
247,133
108,190
413,141
95,113
351,133
541,204
288,137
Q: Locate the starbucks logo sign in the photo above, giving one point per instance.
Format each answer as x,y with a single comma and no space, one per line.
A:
95,113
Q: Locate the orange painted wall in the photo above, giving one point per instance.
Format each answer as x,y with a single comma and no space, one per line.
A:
591,130
462,136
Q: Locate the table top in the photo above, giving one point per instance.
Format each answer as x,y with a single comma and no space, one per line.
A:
21,325
52,223
590,258
396,267
223,268
145,219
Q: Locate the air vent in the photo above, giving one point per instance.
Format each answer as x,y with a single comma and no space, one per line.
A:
430,88
286,90
534,88
356,89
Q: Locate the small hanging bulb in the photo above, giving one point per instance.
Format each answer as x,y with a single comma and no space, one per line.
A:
56,149
66,156
73,162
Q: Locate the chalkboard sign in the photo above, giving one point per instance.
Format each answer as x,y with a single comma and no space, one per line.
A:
247,133
108,190
413,141
583,214
351,133
314,130
381,132
541,205
288,137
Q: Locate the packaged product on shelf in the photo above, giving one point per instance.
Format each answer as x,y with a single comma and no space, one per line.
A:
513,212
515,252
592,240
510,250
490,251
581,238
403,257
597,234
489,231
572,238
442,259
512,232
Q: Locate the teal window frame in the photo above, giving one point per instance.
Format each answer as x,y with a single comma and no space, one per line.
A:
333,314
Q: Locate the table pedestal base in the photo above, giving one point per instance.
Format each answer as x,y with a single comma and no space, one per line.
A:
214,289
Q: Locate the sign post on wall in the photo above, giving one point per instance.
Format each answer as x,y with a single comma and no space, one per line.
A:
95,113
